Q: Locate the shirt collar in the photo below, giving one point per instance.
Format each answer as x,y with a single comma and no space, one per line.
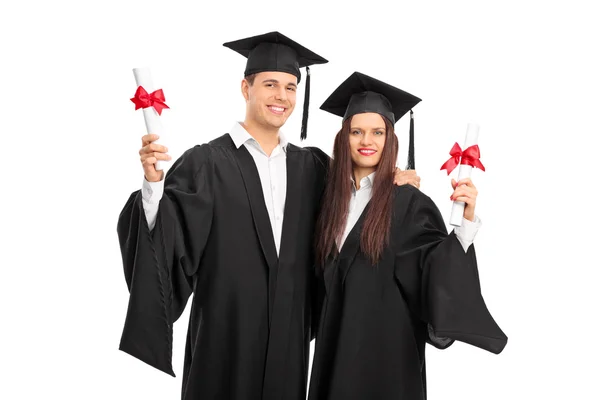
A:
240,135
366,182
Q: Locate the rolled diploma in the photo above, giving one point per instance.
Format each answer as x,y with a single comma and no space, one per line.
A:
143,78
464,171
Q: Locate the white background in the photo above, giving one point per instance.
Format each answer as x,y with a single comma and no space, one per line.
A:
527,72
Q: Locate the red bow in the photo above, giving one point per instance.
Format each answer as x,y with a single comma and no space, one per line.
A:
468,157
155,99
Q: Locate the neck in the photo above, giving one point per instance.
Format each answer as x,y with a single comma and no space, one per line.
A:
267,137
361,172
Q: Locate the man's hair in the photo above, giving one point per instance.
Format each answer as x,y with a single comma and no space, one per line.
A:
250,78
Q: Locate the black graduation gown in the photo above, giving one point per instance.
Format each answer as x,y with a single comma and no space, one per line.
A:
376,319
250,322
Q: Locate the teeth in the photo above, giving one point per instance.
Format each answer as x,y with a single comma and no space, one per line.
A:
367,151
278,109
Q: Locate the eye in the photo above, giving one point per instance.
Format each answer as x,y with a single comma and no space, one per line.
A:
380,133
270,85
356,132
292,89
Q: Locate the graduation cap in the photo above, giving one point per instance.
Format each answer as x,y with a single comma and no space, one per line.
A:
361,94
275,52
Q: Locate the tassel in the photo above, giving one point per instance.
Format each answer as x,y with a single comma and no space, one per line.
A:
411,144
305,112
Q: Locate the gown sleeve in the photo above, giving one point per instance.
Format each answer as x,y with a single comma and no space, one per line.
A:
322,162
440,281
160,265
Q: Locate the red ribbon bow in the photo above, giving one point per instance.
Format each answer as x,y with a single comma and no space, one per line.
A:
155,99
470,156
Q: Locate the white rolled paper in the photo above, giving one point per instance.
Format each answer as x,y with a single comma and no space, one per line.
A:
464,171
143,78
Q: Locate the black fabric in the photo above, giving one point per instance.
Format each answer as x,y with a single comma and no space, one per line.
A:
360,93
410,163
274,52
376,320
251,312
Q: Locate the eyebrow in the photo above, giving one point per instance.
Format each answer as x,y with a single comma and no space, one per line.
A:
276,81
375,129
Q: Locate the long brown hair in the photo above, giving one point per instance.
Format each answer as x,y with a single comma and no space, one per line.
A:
334,210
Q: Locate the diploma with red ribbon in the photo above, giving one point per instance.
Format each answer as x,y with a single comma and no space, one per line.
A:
466,160
143,99
152,103
468,157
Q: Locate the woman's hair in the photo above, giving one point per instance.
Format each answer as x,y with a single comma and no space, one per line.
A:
334,210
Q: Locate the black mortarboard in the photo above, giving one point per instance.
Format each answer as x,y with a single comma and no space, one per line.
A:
361,93
275,52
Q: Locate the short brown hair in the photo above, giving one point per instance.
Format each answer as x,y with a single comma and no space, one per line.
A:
250,78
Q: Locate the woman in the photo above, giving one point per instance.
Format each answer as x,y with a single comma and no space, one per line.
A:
392,277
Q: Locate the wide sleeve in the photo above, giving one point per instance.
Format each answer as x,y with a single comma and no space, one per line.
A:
440,281
321,163
317,300
160,265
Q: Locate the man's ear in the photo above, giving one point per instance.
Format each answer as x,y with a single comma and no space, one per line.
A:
245,88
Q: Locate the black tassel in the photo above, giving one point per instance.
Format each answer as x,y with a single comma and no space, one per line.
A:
411,143
305,112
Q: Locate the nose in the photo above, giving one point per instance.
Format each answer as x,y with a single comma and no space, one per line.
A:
281,94
366,139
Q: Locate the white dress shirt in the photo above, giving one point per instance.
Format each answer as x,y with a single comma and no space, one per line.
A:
360,197
272,171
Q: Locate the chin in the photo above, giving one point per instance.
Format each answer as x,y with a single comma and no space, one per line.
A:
366,165
277,122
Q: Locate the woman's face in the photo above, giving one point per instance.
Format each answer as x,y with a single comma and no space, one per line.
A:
367,140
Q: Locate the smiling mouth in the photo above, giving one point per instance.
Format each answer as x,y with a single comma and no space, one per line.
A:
277,110
367,152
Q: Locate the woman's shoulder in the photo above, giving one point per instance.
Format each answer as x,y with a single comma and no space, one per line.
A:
408,192
408,199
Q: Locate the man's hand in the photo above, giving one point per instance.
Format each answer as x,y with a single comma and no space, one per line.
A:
408,177
150,153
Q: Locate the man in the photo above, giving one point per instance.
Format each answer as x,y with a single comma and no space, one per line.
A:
235,227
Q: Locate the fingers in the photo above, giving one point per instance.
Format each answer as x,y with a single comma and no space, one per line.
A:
467,181
465,193
463,183
408,177
150,154
417,181
153,147
413,182
155,156
149,138
464,199
148,163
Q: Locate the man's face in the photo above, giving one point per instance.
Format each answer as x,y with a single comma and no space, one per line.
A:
271,99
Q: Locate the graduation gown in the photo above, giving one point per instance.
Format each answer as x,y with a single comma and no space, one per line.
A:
250,320
376,319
